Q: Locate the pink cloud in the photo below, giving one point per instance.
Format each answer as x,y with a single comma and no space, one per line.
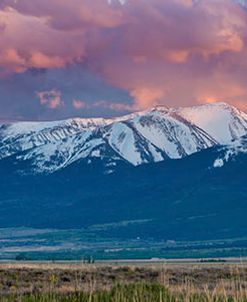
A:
174,51
111,105
40,60
35,43
51,99
77,104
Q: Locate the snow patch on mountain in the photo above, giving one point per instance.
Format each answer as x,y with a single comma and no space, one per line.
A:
231,151
218,163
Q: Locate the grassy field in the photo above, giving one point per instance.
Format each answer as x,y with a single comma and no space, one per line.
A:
44,282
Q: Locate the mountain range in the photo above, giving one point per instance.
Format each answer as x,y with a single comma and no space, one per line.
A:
173,173
144,137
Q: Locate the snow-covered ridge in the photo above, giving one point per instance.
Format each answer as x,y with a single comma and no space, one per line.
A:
22,136
143,137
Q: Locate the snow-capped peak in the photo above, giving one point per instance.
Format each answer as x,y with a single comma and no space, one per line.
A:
220,120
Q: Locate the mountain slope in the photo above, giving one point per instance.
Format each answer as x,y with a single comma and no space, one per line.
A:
210,203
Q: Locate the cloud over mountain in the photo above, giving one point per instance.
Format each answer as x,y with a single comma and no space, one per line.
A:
173,52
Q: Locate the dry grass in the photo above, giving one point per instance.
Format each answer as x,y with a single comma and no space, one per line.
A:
161,283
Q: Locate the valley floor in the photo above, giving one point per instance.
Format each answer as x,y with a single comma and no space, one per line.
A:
78,282
47,244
